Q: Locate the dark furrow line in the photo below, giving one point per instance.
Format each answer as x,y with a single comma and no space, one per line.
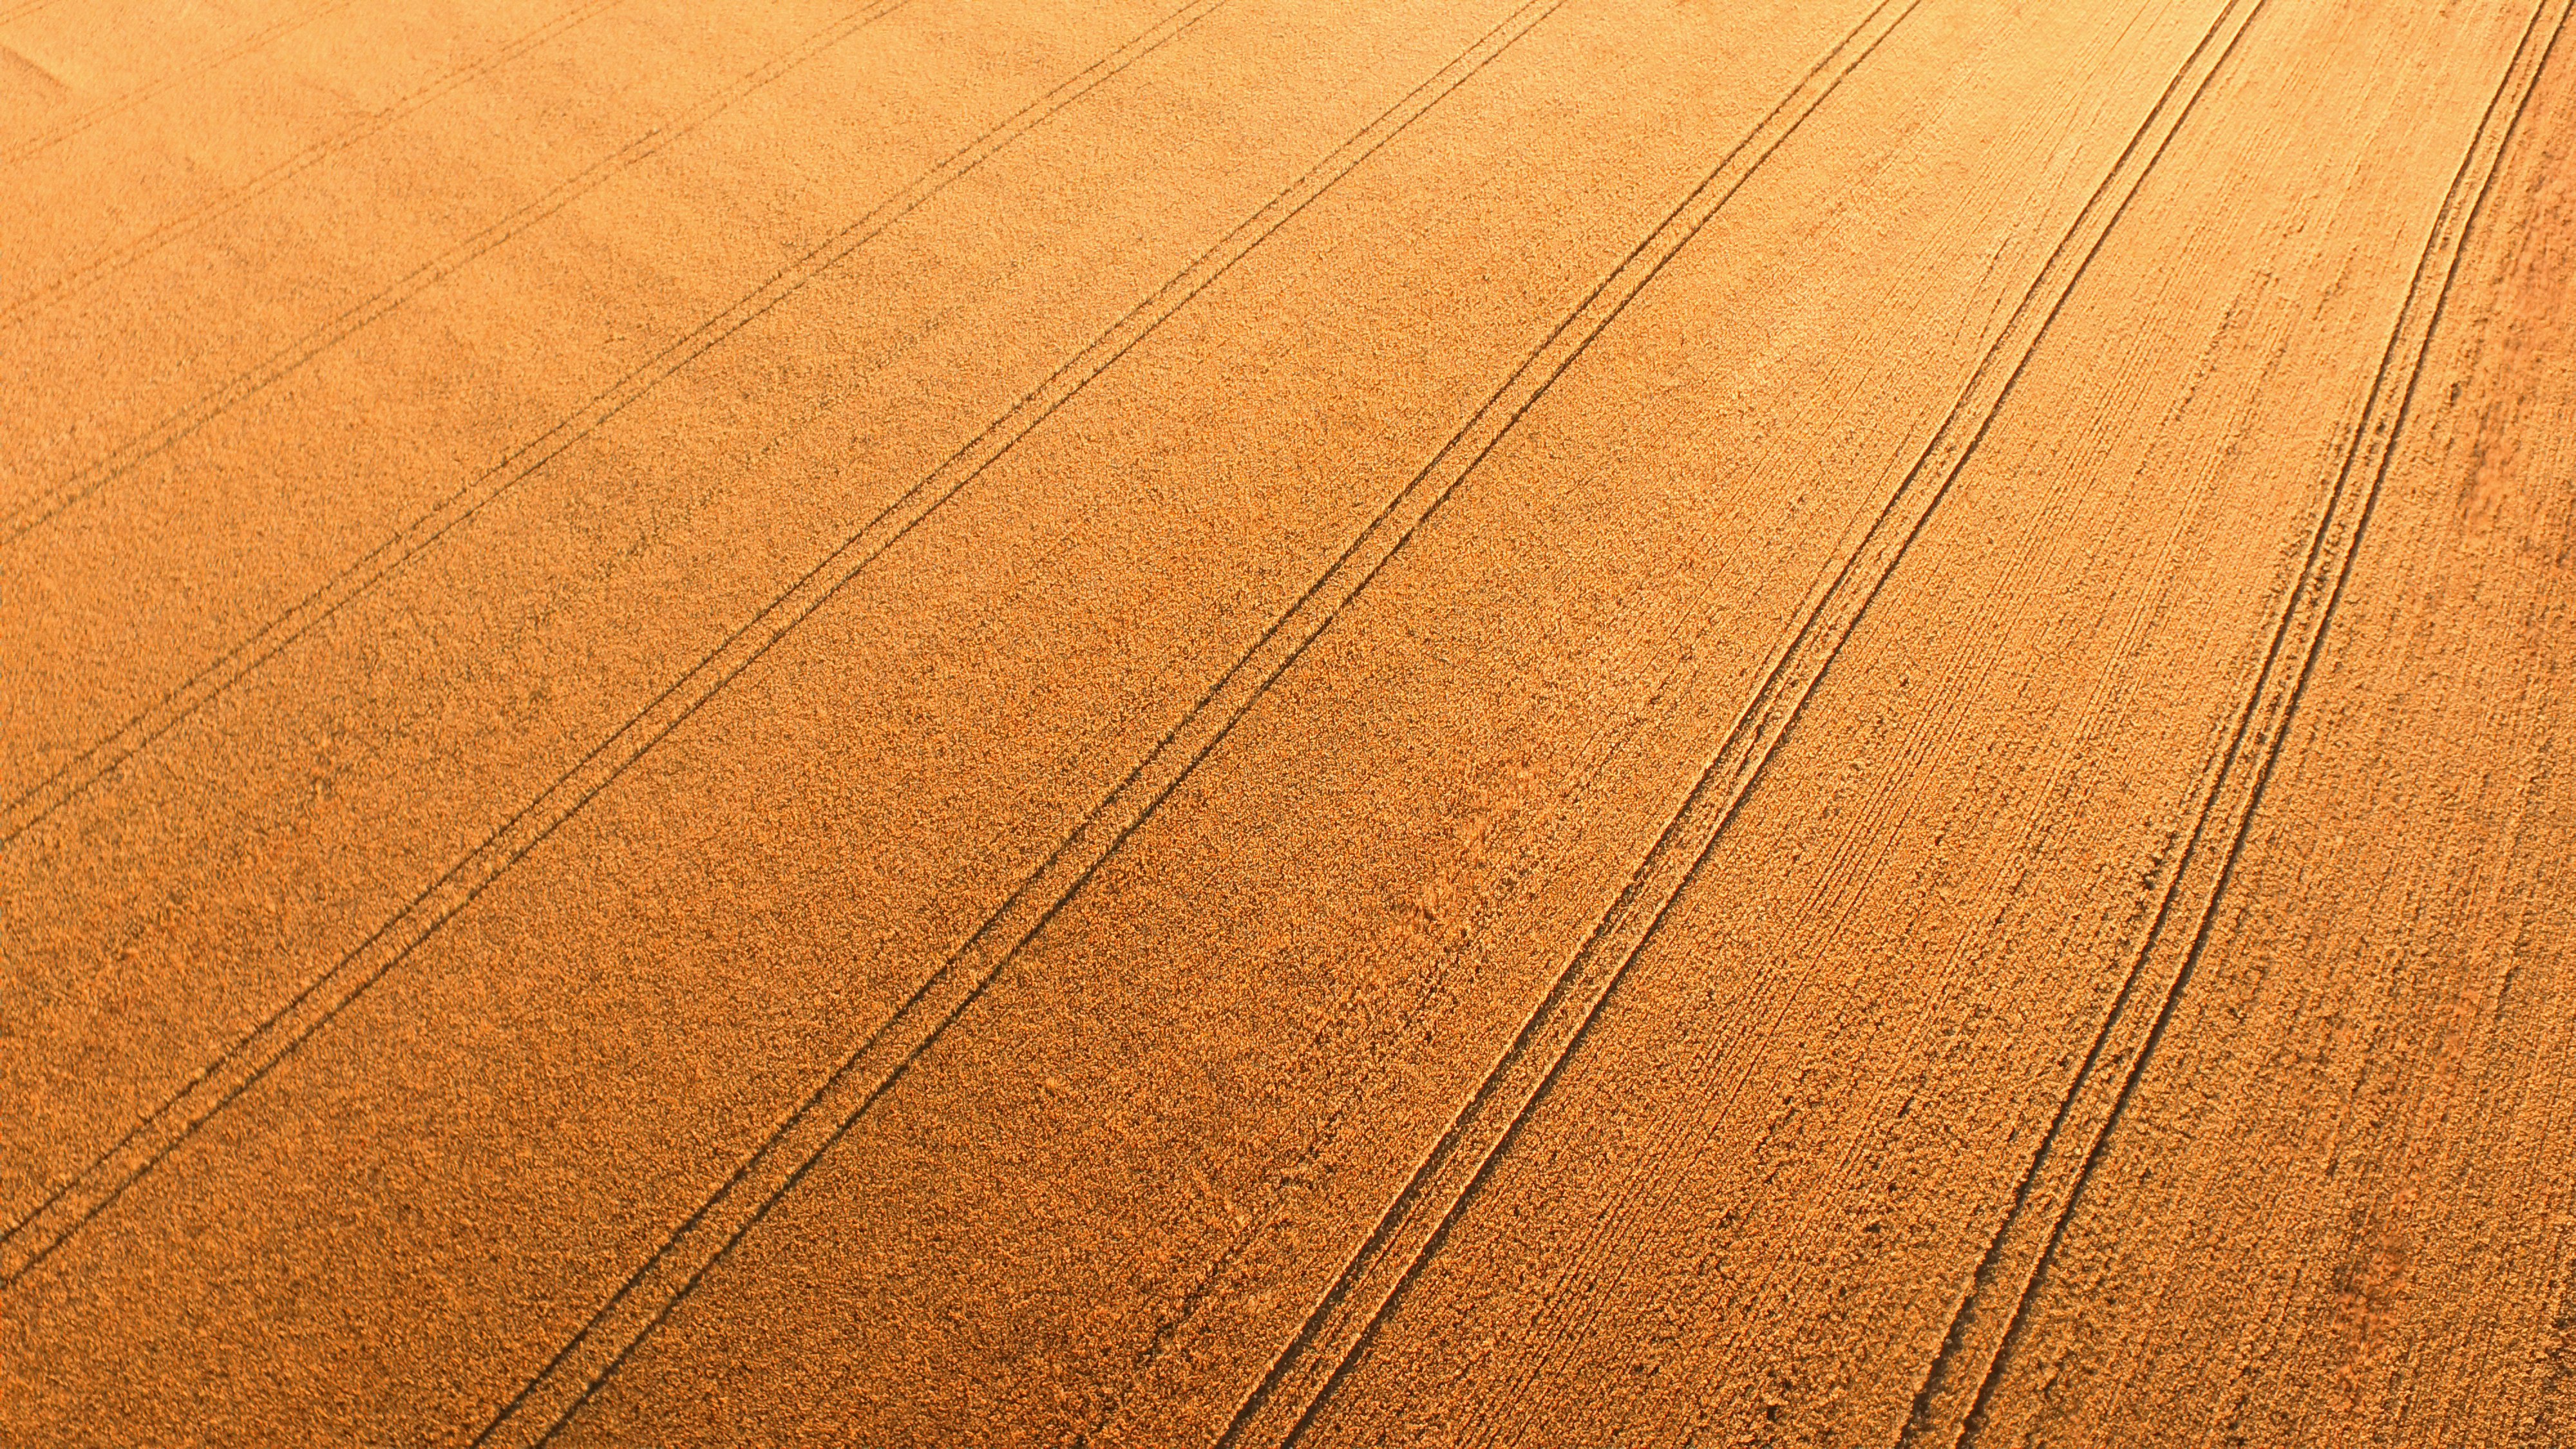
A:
865,1074
51,503
30,8
1263,1393
2033,836
1989,1266
125,254
1919,1421
501,839
101,758
12,155
949,993
1694,830
2480,158
1411,1008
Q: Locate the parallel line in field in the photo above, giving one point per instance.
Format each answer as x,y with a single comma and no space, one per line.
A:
863,1075
1410,1010
12,155
869,1072
125,254
50,503
103,756
145,1142
1347,1319
1770,1022
2263,726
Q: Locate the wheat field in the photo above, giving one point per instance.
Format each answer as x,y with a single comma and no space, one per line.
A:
1536,722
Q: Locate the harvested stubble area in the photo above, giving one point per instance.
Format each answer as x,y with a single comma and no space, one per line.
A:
964,722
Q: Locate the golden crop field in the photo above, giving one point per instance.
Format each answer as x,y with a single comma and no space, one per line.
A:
1484,722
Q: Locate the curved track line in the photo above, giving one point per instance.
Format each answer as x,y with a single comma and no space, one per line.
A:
50,503
13,154
1347,1320
25,1242
125,254
2300,633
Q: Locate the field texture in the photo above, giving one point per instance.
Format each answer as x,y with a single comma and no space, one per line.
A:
1039,722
